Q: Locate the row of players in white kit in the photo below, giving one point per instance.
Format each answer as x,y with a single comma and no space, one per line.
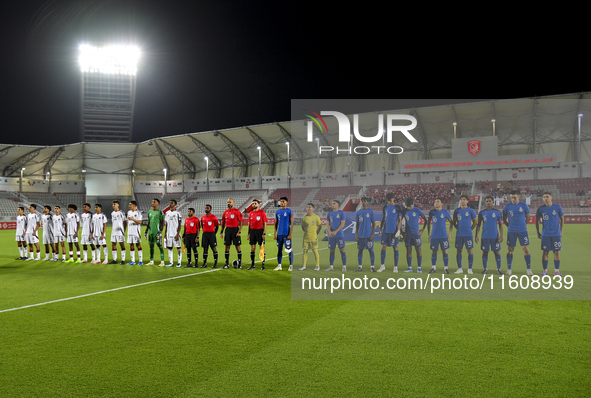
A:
59,228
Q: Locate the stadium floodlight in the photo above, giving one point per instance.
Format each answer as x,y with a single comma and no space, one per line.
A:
493,122
113,59
260,176
207,172
288,175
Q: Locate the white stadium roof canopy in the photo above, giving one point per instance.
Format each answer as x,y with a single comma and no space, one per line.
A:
554,120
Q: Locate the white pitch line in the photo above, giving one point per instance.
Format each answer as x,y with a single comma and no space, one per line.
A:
130,286
107,291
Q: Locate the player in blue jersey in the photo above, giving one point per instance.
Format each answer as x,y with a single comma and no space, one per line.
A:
552,218
440,238
365,226
335,225
390,230
492,236
412,234
283,229
516,216
464,219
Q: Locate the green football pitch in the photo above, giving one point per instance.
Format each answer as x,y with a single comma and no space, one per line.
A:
130,331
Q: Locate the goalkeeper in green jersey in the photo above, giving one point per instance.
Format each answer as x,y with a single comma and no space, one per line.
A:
311,225
154,231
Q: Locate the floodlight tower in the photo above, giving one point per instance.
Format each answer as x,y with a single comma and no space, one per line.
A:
107,92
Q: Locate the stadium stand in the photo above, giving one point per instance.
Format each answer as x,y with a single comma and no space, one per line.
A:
567,192
9,201
424,194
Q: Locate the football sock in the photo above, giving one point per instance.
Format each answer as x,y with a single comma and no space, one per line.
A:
344,258
78,253
360,257
85,255
71,254
556,265
445,260
205,255
470,260
498,260
509,260
459,260
161,249
372,257
106,252
170,255
409,262
316,257
151,253
140,255
215,258
396,255
332,256
383,257
527,260
132,255
290,258
419,261
545,265
239,258
122,255
114,252
305,257
252,258
227,255
434,259
484,259
180,253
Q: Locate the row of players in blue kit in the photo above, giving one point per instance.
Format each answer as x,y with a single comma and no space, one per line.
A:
515,216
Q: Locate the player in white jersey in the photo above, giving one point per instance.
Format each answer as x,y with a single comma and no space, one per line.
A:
134,237
172,219
21,227
33,224
99,229
47,225
119,222
86,227
59,234
72,227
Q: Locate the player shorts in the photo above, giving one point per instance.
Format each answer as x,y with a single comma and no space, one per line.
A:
208,239
47,238
490,244
117,238
85,240
333,241
231,238
256,236
412,240
154,240
310,245
133,239
72,239
364,243
97,241
58,238
464,241
437,243
551,243
20,238
512,238
189,241
282,240
170,241
31,239
389,239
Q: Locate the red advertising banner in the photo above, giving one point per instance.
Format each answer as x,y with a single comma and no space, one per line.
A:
7,225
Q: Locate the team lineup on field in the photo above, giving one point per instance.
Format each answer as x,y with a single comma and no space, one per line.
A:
168,231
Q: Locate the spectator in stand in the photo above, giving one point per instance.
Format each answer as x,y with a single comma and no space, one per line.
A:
539,192
586,204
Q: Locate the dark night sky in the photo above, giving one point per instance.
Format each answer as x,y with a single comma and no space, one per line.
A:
223,64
